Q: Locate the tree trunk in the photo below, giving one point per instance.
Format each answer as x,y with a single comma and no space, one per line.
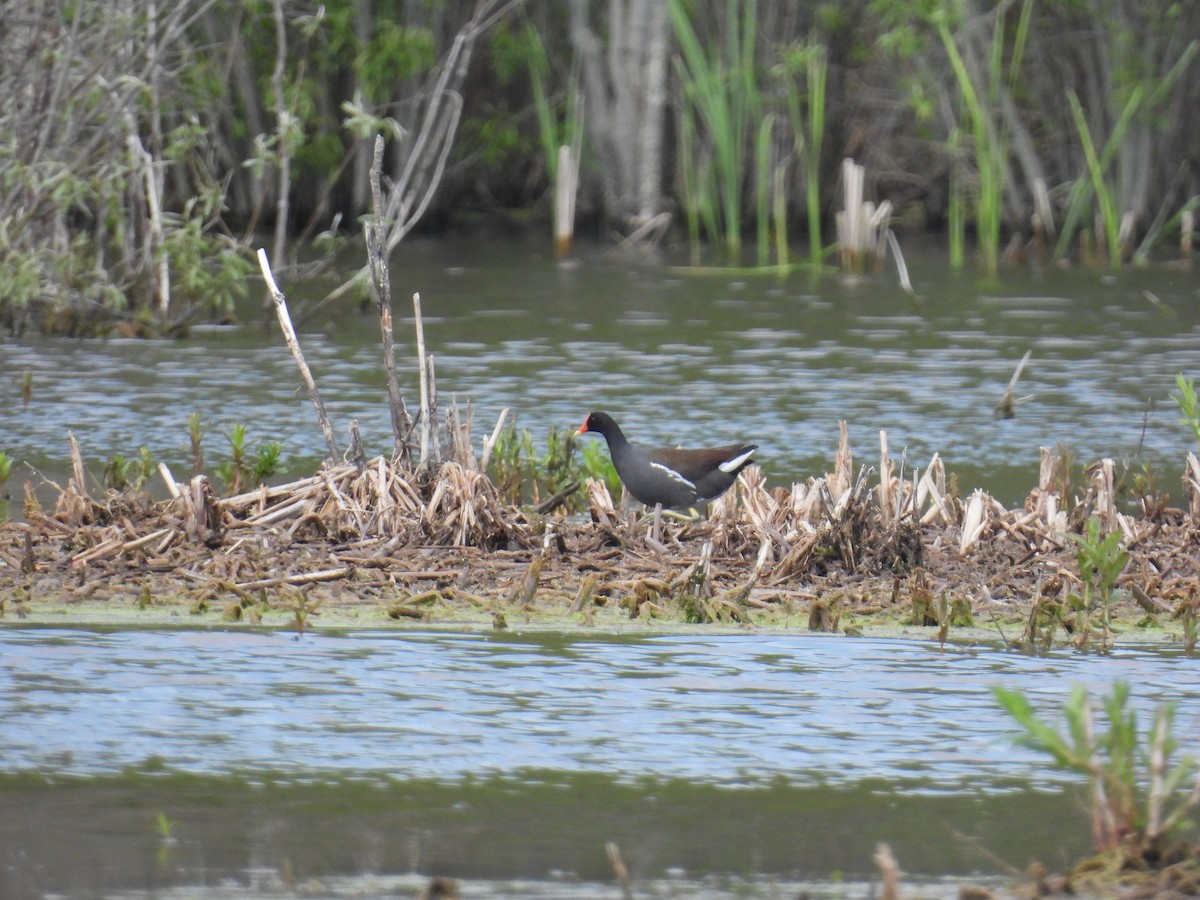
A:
625,90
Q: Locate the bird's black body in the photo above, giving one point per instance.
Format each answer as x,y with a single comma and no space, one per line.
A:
673,476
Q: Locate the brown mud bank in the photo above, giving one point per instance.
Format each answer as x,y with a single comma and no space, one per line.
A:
377,545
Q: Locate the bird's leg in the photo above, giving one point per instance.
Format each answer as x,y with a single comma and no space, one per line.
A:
656,532
691,516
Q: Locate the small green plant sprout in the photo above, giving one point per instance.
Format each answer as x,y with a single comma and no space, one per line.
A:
195,434
1138,797
551,479
1101,561
121,473
1189,403
267,461
5,467
245,465
164,826
167,841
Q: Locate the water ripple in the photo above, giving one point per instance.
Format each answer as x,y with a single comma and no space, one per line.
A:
721,709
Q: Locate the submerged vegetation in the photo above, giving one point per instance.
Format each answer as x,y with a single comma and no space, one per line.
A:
134,180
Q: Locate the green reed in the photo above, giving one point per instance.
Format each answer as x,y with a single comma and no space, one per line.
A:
721,91
1110,214
1142,97
764,181
956,211
808,128
552,133
699,211
818,68
990,142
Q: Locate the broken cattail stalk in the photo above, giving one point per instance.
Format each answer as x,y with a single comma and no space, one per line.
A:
849,219
525,593
1103,484
435,437
1125,235
103,550
889,870
28,561
80,482
565,188
423,369
147,539
289,491
620,870
887,486
932,486
289,335
584,595
901,266
975,520
490,442
204,518
1191,481
168,479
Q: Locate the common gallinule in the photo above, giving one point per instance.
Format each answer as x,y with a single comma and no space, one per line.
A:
672,476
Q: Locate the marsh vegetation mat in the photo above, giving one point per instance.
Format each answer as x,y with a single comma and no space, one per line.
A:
379,543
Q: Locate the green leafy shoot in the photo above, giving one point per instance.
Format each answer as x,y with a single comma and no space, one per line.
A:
1101,560
1137,795
1189,403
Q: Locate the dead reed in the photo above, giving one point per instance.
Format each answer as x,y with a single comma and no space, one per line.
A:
437,544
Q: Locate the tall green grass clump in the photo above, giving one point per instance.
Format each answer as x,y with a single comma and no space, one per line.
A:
1140,95
990,140
551,478
1139,797
723,103
807,64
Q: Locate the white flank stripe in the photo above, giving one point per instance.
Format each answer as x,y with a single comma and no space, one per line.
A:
732,465
675,475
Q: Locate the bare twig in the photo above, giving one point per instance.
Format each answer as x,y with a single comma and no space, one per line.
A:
289,335
381,287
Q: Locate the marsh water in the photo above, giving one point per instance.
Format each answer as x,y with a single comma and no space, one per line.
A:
176,763
152,763
677,357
